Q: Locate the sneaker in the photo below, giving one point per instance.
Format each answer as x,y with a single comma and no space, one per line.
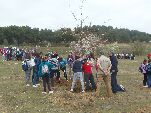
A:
71,90
27,85
44,92
83,91
123,88
50,92
145,86
35,86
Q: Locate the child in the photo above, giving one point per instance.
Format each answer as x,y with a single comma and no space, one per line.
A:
54,69
70,60
44,72
148,73
143,71
88,76
35,78
26,66
77,70
62,64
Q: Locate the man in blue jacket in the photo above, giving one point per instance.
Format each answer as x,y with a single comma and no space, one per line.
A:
114,70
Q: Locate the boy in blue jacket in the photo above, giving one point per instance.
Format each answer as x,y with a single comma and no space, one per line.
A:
77,70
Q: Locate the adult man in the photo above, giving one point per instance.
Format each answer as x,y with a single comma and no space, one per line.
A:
114,70
104,65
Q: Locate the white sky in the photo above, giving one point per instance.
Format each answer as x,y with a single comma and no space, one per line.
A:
54,14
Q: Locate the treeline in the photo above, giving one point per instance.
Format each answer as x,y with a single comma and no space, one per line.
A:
120,35
23,35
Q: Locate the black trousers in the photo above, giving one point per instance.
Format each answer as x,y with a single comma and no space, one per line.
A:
88,78
46,81
64,71
145,79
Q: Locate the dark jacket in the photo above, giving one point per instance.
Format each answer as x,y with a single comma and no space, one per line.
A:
36,67
114,62
77,66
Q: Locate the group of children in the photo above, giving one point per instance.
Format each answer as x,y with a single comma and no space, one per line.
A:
49,66
14,53
145,69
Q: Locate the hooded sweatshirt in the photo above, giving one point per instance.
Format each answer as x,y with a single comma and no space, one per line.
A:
77,66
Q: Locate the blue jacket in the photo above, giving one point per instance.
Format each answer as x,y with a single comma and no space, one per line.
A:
148,69
62,63
36,67
77,66
114,62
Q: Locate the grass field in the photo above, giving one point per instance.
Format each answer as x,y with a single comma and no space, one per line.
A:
15,97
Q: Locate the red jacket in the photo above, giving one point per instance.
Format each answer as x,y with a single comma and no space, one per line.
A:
87,68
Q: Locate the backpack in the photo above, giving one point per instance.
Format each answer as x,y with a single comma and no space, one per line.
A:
24,65
45,69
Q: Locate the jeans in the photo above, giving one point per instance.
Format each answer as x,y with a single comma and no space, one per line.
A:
88,78
27,76
149,80
34,78
77,75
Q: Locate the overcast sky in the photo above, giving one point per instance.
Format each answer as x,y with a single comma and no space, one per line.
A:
54,14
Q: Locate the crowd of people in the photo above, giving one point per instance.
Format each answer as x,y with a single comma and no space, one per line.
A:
80,67
48,68
129,56
14,53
